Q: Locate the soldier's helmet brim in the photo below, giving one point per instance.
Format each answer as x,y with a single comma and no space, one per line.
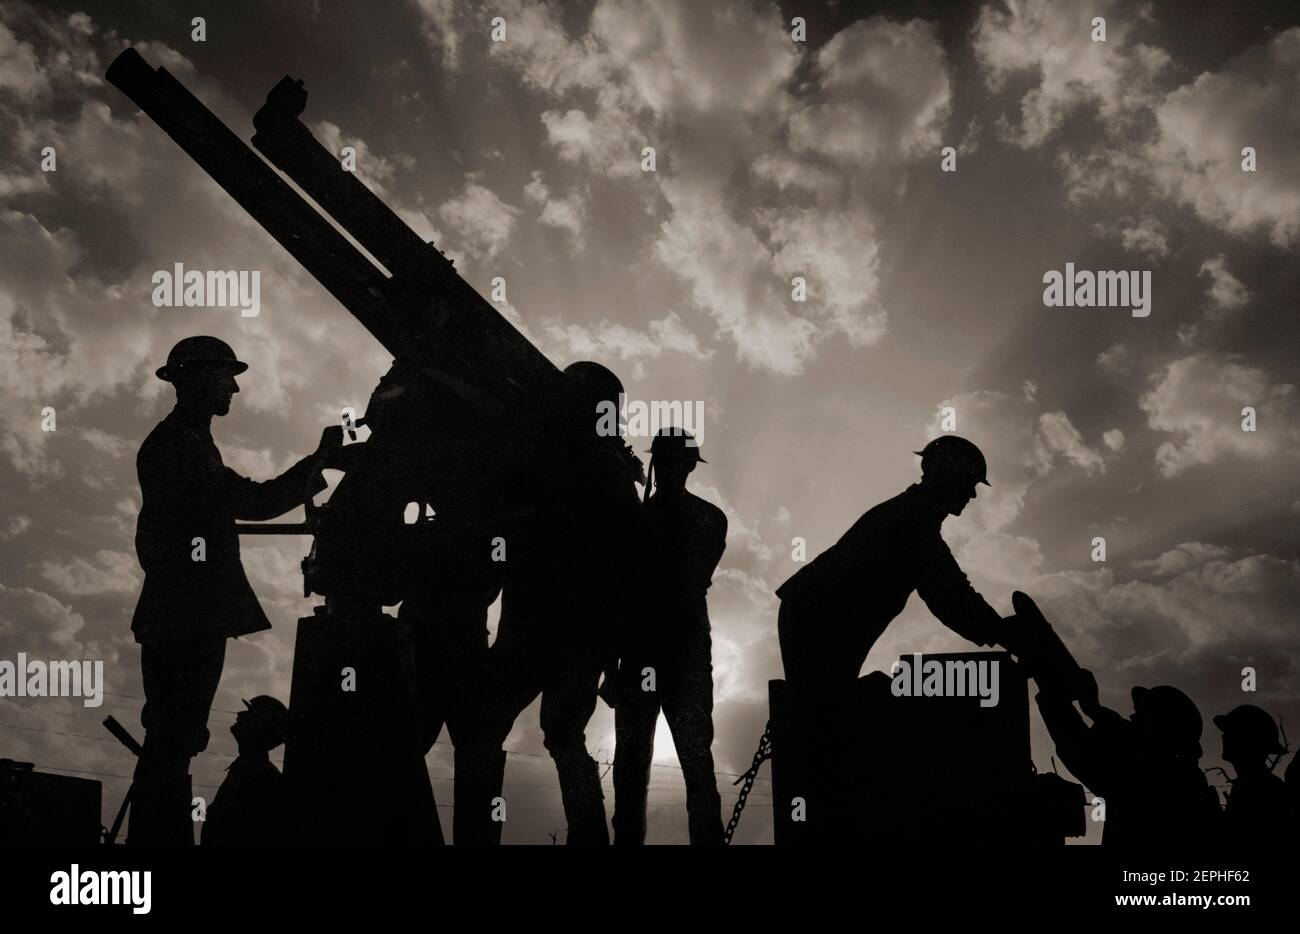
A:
983,480
169,371
677,455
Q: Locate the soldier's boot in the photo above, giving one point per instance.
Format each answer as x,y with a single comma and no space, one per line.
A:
703,803
584,802
704,817
631,790
479,815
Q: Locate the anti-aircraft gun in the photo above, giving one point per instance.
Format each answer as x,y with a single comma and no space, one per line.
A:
468,405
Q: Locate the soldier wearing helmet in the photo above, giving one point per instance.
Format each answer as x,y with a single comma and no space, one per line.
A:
1258,807
195,594
251,807
564,603
667,664
1146,768
835,608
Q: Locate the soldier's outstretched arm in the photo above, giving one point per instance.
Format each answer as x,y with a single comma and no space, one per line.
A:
1084,750
952,599
251,499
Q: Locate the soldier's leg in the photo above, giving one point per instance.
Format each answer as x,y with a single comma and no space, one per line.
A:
510,679
688,708
430,645
479,761
180,681
568,701
634,735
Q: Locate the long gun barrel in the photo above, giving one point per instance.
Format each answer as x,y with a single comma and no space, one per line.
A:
424,312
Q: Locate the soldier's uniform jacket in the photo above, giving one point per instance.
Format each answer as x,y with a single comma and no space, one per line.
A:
685,537
251,806
1257,811
189,493
864,580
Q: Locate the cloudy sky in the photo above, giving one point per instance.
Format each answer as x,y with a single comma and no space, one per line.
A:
775,158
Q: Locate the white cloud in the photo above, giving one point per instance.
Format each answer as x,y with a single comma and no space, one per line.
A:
372,169
1199,398
883,96
566,214
1203,126
15,526
1182,558
110,572
442,29
1053,42
612,340
483,221
20,72
1145,235
1226,291
35,622
1058,436
656,79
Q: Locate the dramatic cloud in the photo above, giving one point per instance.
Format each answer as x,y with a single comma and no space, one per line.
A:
880,96
1054,42
1204,126
1226,291
481,220
1200,400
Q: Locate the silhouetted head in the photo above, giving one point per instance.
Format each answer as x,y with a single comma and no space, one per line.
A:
261,726
595,394
203,370
951,467
673,455
1249,735
1169,719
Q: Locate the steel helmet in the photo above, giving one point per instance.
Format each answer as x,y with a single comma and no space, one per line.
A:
951,457
271,712
197,353
591,386
1253,726
1177,713
675,444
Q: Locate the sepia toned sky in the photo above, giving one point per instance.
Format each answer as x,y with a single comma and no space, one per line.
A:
774,159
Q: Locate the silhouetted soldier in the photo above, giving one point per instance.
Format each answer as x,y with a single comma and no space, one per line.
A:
443,563
1145,768
195,593
1258,813
564,603
686,537
834,609
251,807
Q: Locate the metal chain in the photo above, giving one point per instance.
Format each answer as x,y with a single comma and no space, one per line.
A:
761,755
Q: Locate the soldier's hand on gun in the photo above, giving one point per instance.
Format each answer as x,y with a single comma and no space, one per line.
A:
1011,637
1086,691
329,453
